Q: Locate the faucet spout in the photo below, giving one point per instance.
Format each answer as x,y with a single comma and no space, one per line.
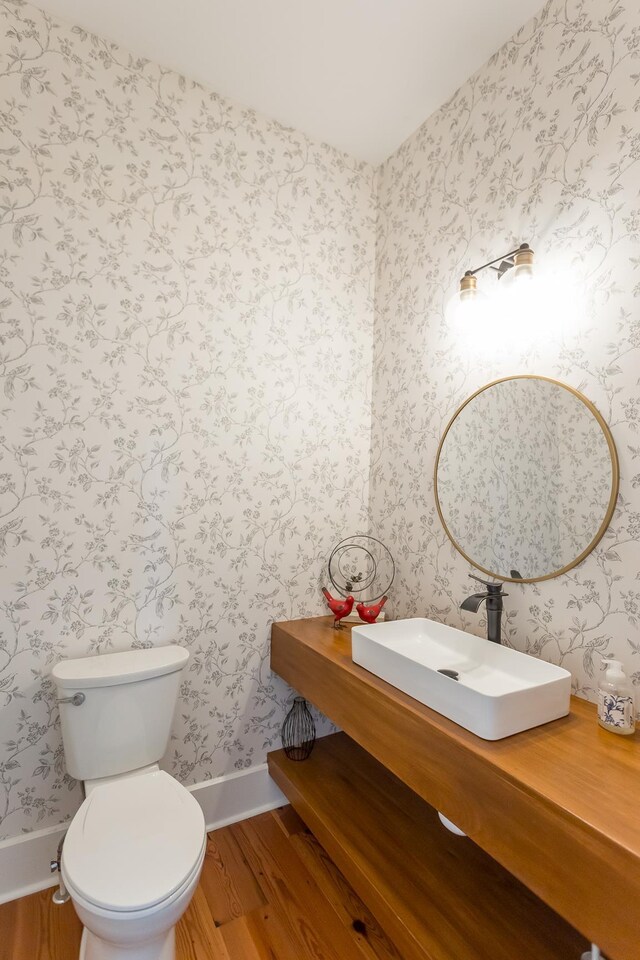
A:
472,603
493,598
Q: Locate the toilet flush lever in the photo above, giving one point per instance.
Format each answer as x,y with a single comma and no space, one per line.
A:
76,700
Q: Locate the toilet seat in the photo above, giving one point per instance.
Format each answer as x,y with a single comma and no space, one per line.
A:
134,843
130,916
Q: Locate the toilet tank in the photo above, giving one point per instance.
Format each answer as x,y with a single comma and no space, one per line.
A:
124,719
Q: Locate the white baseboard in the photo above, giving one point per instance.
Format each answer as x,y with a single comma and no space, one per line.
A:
24,860
237,796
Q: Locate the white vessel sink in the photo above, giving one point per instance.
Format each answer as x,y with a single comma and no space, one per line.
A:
498,692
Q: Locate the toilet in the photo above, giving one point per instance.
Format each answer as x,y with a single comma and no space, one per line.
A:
134,851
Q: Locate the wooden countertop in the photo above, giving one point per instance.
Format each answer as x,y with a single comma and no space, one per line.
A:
556,805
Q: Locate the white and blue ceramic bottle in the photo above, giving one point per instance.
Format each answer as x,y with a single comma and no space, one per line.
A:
616,707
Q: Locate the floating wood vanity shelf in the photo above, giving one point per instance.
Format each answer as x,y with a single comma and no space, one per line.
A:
556,806
437,896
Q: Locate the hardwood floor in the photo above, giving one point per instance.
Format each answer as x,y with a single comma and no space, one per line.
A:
268,892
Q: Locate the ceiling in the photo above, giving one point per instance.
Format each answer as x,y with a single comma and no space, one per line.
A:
361,75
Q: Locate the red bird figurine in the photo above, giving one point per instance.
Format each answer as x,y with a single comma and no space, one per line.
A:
339,608
370,612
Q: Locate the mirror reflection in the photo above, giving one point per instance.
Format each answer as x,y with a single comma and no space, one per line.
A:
526,478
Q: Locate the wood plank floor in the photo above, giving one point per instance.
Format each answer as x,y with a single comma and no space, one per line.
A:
268,892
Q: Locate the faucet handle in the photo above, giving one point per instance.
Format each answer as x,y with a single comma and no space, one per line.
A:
492,588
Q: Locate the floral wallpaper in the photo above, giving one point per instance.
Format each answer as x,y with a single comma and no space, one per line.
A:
545,485
541,145
185,361
186,348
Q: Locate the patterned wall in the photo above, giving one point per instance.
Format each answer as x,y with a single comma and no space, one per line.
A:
541,145
186,370
185,355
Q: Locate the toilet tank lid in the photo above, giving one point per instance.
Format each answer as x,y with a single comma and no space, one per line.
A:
109,669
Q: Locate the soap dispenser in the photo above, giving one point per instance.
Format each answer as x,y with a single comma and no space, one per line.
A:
616,708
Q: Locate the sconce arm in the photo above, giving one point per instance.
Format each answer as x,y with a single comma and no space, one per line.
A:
490,263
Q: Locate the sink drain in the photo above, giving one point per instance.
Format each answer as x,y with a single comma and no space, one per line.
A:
450,673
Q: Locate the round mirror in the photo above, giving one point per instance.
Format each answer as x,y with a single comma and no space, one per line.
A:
526,478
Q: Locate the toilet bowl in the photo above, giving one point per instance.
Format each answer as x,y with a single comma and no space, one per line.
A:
131,862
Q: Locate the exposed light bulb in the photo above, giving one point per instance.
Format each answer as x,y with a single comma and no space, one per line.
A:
520,280
468,309
539,303
519,300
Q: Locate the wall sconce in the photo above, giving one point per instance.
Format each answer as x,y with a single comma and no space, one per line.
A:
527,307
515,270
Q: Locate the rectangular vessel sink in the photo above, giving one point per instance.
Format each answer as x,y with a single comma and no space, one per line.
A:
498,692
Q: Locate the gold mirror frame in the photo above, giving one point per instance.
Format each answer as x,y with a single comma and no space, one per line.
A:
615,478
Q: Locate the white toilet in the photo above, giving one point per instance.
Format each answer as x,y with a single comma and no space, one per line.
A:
134,851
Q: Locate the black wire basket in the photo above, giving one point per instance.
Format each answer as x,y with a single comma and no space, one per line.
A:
298,731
